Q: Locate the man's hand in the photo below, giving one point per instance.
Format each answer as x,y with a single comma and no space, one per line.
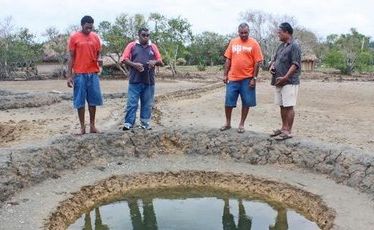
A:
225,79
282,81
152,63
138,66
70,81
252,83
272,69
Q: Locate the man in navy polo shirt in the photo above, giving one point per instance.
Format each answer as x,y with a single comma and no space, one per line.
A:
141,56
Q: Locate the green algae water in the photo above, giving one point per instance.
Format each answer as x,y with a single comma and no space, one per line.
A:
190,209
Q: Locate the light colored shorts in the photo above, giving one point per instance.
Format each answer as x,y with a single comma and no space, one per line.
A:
286,96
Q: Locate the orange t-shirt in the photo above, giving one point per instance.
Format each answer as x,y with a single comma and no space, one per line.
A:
86,49
243,55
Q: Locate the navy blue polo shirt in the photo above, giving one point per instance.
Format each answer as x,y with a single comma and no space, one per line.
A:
137,52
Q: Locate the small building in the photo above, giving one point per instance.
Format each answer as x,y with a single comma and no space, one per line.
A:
308,62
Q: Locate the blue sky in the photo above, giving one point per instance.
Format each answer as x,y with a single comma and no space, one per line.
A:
222,16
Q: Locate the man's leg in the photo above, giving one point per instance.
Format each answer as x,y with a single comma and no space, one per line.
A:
248,97
289,96
132,105
289,117
146,104
81,112
92,111
243,116
232,94
94,98
228,112
79,99
283,112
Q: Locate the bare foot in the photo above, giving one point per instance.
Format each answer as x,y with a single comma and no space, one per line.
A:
93,129
82,131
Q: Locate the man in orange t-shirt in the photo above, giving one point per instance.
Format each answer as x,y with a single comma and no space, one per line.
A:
243,59
83,67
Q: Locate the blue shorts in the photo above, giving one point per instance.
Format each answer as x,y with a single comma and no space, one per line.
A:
87,87
236,88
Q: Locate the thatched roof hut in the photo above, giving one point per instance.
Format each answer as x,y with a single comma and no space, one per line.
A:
108,59
308,62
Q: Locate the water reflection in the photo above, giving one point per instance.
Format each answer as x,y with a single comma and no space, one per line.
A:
152,213
228,222
149,218
98,223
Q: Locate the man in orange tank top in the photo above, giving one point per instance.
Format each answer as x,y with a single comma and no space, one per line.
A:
243,59
83,67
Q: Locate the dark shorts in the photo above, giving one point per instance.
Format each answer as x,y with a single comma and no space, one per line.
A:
236,88
87,88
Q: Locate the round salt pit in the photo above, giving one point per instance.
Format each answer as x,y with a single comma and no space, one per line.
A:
191,208
66,182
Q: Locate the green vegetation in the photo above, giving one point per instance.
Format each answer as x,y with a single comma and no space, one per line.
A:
19,50
349,52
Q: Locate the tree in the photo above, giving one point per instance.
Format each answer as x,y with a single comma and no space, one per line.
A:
352,48
171,35
6,29
207,48
308,41
117,35
18,50
55,48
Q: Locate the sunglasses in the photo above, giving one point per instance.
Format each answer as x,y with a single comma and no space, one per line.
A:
144,35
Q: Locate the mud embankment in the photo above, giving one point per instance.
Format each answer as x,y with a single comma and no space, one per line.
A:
26,167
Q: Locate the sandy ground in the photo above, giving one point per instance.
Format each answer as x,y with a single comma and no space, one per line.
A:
337,112
25,125
334,112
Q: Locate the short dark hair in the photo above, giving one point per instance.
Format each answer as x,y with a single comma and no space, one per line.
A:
86,19
243,25
142,29
286,27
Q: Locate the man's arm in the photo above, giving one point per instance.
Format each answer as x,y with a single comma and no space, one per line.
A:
70,81
138,66
158,61
126,58
227,67
283,80
100,61
256,69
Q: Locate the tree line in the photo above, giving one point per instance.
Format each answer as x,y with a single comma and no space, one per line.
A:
19,48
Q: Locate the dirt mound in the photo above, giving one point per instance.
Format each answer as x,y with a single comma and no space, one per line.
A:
15,101
10,131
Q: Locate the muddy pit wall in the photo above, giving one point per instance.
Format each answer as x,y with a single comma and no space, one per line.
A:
110,189
26,167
